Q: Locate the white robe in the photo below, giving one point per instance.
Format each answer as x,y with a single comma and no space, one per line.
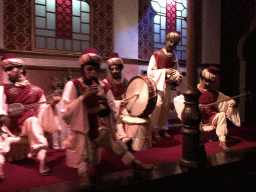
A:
73,110
33,127
231,113
164,94
75,114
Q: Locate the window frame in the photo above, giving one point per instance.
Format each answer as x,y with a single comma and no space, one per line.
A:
58,51
181,61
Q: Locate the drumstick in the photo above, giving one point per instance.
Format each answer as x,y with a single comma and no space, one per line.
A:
135,95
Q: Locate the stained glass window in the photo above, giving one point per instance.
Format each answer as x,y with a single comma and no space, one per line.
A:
62,25
170,16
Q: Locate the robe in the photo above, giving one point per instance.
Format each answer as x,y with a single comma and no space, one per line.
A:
118,89
29,94
75,113
231,113
73,110
158,63
32,122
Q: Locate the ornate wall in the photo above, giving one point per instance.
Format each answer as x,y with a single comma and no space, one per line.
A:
18,25
146,14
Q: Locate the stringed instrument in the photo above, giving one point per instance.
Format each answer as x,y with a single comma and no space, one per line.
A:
15,109
248,93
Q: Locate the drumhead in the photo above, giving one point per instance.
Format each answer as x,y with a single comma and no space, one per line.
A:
141,95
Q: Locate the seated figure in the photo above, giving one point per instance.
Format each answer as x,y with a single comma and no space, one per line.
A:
213,116
24,122
117,84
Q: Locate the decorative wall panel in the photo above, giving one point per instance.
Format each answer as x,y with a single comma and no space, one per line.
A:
146,14
17,24
103,34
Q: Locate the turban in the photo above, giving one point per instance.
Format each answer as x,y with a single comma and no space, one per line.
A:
115,60
173,36
9,59
90,55
210,73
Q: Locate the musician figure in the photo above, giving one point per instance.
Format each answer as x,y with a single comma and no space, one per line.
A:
163,68
118,84
4,146
215,116
20,90
87,106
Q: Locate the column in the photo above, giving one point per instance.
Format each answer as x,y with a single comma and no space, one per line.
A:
192,151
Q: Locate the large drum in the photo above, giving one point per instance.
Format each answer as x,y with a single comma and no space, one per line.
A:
138,129
141,95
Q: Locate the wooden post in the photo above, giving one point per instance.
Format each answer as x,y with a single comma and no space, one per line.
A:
192,151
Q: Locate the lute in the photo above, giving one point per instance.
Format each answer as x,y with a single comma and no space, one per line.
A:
15,109
249,93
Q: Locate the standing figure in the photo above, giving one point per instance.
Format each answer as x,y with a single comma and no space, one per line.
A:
215,116
118,85
163,68
20,90
87,107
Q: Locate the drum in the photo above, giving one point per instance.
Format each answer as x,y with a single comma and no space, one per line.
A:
19,148
141,96
175,78
138,129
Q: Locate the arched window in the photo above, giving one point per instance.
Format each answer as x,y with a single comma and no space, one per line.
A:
62,25
170,16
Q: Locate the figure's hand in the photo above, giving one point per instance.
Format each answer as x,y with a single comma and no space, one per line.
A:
89,90
232,103
169,71
200,107
173,76
4,120
54,100
203,107
124,102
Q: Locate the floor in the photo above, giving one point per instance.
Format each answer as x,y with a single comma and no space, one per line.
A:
230,169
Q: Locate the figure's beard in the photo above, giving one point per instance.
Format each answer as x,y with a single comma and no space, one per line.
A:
116,76
169,49
14,78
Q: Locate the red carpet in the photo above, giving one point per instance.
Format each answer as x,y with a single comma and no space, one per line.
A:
23,174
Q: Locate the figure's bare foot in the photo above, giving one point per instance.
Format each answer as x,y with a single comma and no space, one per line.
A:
223,146
167,134
43,169
85,181
156,136
138,165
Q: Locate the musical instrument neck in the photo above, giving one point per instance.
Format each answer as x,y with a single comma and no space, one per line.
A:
32,105
216,102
